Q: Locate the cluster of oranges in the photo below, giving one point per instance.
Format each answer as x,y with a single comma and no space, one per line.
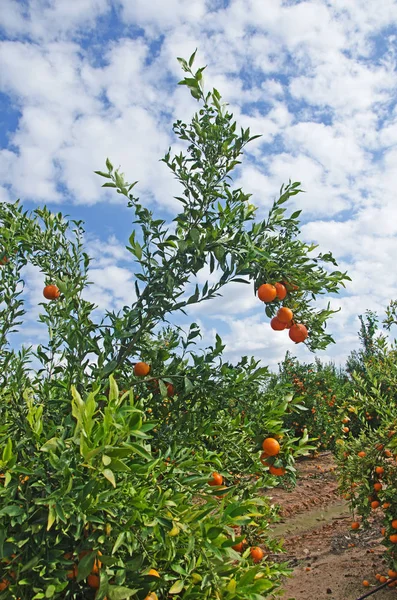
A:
271,448
267,292
93,577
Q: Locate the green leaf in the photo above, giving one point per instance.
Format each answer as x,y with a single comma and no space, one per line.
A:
109,476
12,511
50,591
191,59
102,174
177,587
85,566
118,592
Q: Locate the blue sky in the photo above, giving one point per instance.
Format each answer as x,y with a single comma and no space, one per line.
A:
81,81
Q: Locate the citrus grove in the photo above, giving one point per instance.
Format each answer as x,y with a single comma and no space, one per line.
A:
130,461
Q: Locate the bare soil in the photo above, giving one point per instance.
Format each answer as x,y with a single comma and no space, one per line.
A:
329,560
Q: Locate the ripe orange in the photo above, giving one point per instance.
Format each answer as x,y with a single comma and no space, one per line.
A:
392,573
379,447
361,454
377,487
285,315
386,505
298,333
263,458
345,429
217,479
289,325
141,369
267,292
152,596
154,573
355,525
393,538
382,579
388,453
93,581
379,470
277,325
170,390
377,576
346,420
394,524
277,471
257,554
281,291
271,446
375,504
51,292
240,546
365,583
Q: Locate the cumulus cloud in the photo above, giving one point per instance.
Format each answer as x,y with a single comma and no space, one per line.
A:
317,79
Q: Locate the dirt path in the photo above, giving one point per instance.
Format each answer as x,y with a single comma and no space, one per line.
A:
330,561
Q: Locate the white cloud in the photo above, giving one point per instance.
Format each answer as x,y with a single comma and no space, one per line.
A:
309,76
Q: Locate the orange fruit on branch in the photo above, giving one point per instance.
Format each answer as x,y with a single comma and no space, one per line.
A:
271,446
281,291
285,314
393,538
93,581
51,292
377,487
217,479
394,523
355,525
240,546
375,504
141,369
257,554
379,470
298,333
361,454
154,573
267,292
277,471
277,325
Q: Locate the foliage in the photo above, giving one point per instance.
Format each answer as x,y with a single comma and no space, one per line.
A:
100,486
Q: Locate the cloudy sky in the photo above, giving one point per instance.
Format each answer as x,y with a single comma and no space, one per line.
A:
81,80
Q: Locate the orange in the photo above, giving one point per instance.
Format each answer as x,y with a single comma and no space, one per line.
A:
257,554
388,453
4,584
93,581
141,369
285,315
346,420
375,504
377,487
386,505
271,446
4,260
240,546
217,479
281,291
267,292
72,574
392,573
394,524
152,596
170,390
51,292
365,583
377,576
355,525
393,538
277,471
298,333
379,470
154,573
361,454
263,458
277,325
379,447
382,579
345,429
289,325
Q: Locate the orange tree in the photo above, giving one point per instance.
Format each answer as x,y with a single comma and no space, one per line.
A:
367,453
318,392
99,498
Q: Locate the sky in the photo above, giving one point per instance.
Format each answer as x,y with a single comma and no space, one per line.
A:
89,79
